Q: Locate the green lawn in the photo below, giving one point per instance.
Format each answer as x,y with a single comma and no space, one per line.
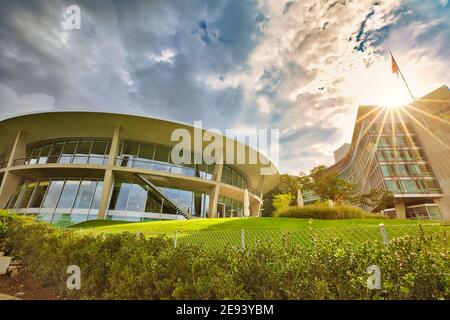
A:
236,224
222,232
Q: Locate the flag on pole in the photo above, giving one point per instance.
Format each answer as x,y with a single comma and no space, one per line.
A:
394,65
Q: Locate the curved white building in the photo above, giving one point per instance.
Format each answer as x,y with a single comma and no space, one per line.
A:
68,167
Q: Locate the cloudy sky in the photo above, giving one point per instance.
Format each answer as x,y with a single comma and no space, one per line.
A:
298,66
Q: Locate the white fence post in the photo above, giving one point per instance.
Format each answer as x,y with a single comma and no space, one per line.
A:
384,235
242,240
175,236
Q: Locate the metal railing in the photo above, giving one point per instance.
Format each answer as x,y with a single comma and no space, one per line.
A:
3,164
162,166
64,159
121,162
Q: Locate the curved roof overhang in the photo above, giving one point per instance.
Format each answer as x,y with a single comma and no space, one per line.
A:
53,125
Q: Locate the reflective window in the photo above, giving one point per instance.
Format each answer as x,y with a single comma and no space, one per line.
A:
97,195
39,194
146,151
54,190
393,186
98,152
130,148
92,151
83,149
234,178
409,186
68,152
137,199
85,194
26,194
63,203
15,196
56,152
68,194
120,195
162,154
45,152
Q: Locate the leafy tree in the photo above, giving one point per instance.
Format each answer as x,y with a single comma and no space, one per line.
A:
376,198
282,201
288,184
329,185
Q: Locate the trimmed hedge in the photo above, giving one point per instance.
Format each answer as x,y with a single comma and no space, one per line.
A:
324,212
128,266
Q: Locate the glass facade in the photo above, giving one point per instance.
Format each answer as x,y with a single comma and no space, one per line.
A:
78,151
425,211
388,156
232,177
156,157
229,208
155,201
59,201
65,201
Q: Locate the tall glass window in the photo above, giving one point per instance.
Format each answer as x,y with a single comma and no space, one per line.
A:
45,152
85,194
56,152
39,193
54,190
409,185
162,154
83,149
26,194
393,186
98,152
120,194
68,194
97,195
137,199
68,152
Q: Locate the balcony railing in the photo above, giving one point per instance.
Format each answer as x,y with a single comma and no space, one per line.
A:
69,159
162,166
122,161
3,164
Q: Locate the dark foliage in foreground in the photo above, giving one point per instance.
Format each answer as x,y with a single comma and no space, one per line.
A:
129,266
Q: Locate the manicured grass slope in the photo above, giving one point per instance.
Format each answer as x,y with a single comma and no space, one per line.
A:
233,224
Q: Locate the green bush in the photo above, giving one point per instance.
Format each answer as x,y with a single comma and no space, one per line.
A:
129,266
324,212
282,201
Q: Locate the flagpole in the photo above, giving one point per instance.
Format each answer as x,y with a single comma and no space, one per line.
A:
409,90
404,80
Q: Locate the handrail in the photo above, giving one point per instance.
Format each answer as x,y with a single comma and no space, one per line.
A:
63,159
178,207
162,166
122,162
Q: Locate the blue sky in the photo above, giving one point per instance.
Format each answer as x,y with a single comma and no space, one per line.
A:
298,66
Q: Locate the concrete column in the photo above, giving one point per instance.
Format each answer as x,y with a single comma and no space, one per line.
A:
108,180
256,210
108,183
260,186
114,149
215,191
400,210
9,185
11,180
18,150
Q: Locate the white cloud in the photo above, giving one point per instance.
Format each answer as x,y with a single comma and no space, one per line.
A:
166,56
